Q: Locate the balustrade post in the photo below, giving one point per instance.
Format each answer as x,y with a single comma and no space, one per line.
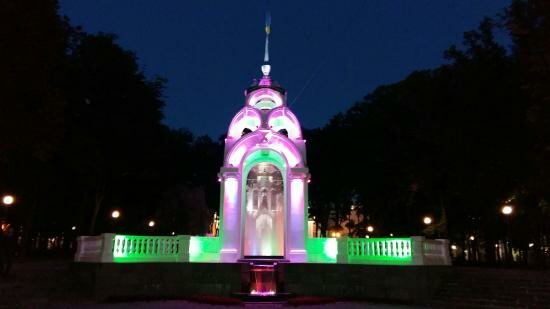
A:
445,253
183,242
417,250
80,244
342,257
107,244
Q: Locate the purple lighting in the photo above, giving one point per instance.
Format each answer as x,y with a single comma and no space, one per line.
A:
265,180
262,280
268,293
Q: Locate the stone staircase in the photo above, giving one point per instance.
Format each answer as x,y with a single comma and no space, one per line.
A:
475,287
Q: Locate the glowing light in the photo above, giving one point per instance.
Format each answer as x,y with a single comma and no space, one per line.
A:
173,233
297,194
370,228
331,248
391,234
8,200
507,210
531,245
194,246
231,186
367,236
258,293
472,237
427,220
151,223
73,228
266,68
205,249
496,245
115,214
453,247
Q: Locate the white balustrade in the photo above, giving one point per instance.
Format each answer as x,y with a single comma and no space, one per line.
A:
128,248
415,250
377,250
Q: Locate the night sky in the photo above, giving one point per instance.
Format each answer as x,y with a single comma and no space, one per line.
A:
211,50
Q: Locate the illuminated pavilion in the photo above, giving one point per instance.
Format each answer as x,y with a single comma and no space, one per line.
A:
263,203
263,245
264,179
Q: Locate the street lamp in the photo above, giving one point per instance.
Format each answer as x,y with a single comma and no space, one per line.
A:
151,223
370,228
8,199
507,210
427,220
115,214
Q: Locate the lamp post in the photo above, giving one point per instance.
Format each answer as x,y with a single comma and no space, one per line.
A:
7,201
428,231
507,211
115,216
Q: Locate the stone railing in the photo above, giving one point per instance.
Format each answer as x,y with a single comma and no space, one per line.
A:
128,248
108,248
416,250
377,250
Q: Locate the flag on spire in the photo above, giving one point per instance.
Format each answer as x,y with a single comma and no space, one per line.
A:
267,21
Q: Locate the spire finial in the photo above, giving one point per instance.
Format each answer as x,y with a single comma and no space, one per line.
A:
266,68
267,30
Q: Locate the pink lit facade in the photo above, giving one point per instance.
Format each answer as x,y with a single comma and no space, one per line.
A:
264,179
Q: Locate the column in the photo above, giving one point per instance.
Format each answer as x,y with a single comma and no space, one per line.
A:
230,221
296,215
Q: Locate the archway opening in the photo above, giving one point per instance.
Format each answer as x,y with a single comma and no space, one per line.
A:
264,215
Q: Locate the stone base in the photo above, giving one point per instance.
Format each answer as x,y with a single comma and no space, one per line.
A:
297,256
180,280
229,256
